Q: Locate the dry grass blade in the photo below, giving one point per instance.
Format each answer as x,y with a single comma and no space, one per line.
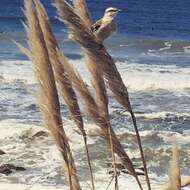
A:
104,61
92,108
176,181
141,149
82,10
87,40
63,81
97,76
102,102
175,175
24,50
48,97
85,36
185,181
99,85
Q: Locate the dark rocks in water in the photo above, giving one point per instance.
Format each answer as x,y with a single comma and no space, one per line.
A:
121,169
118,166
5,170
2,152
8,169
40,134
111,172
29,135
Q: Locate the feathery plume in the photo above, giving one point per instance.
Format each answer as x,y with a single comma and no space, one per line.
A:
101,101
176,181
63,81
48,97
24,50
175,176
88,41
185,181
97,77
83,11
92,108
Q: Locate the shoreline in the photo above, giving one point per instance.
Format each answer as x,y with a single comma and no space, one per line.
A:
42,160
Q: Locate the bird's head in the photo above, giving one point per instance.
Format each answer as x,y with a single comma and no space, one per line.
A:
111,12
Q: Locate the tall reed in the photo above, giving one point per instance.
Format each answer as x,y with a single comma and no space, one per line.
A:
97,77
87,40
92,108
101,101
82,10
185,181
176,181
48,97
60,76
174,173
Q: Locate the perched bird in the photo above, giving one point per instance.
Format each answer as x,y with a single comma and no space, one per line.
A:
104,27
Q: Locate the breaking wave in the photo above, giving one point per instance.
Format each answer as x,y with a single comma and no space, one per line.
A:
138,77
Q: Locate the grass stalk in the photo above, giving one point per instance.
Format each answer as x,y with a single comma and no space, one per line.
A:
64,83
174,173
48,96
92,108
140,148
88,41
82,10
97,76
176,181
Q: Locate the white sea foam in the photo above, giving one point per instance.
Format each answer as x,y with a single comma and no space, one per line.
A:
138,77
43,162
168,45
163,115
17,71
152,77
100,184
187,49
123,184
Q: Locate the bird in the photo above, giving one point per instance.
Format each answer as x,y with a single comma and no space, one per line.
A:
104,27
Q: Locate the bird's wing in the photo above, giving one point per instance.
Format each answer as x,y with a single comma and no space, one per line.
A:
96,25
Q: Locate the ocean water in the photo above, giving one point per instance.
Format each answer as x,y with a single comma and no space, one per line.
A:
152,52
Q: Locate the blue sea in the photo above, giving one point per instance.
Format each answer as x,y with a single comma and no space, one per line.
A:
152,52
